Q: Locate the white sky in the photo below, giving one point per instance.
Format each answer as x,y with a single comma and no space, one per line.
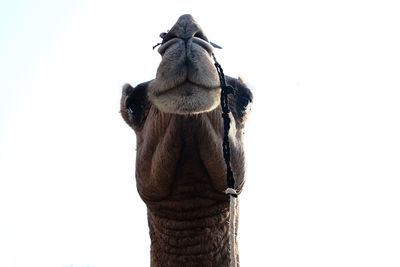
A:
322,143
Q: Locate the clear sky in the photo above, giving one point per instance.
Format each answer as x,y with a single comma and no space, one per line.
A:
322,144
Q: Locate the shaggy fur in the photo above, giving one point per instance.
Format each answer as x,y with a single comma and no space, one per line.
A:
180,170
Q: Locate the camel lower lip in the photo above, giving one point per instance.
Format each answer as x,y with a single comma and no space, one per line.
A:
187,82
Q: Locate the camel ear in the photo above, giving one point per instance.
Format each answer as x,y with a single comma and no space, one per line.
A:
134,104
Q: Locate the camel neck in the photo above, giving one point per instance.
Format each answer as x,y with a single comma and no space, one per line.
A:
196,237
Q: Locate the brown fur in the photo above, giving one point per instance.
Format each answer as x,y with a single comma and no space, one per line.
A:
180,170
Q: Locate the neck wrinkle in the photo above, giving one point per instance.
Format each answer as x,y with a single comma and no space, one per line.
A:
187,240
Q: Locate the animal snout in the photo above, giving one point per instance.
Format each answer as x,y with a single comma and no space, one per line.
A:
185,28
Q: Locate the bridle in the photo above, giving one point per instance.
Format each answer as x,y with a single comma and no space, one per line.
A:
226,90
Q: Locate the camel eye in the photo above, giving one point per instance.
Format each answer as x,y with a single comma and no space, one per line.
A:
243,101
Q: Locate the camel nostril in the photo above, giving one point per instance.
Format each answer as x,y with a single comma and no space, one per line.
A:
162,35
200,35
167,36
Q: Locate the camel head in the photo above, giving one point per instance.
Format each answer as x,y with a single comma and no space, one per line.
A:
186,94
186,80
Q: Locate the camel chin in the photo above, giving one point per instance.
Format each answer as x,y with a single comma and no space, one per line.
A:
186,99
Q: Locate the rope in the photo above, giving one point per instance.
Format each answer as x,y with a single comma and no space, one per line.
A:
225,91
232,231
230,191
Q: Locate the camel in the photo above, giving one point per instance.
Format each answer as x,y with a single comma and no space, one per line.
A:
180,169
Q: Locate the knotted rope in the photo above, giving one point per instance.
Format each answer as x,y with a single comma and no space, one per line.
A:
230,191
